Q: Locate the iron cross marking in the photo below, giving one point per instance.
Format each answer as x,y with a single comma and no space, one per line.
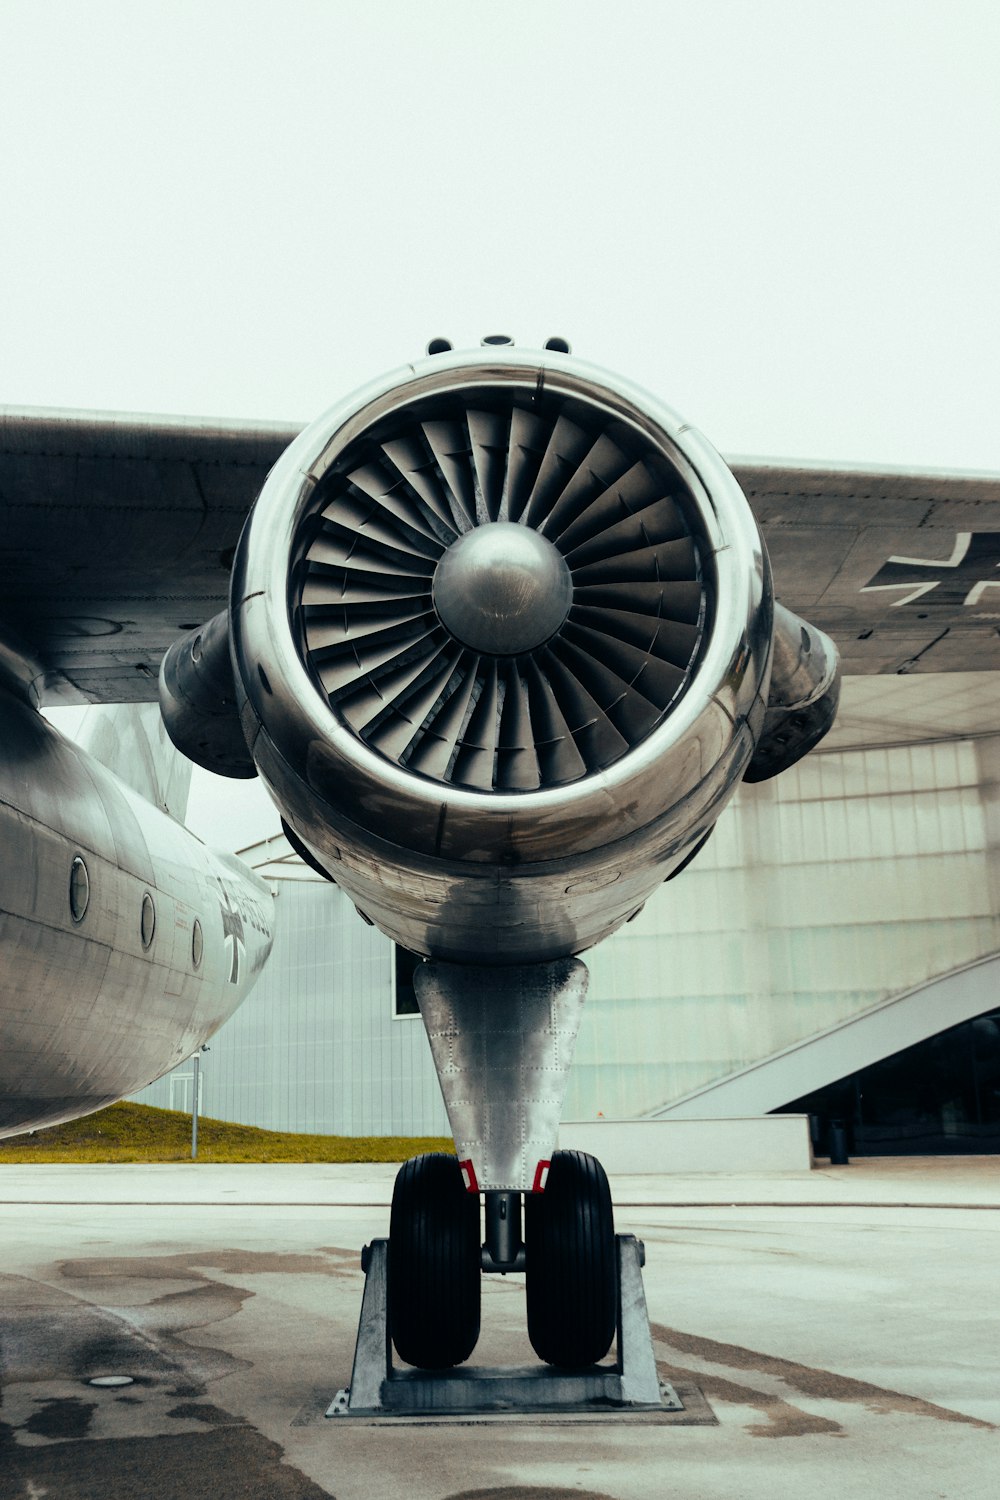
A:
232,927
962,579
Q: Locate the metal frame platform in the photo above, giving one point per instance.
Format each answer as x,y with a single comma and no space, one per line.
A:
631,1384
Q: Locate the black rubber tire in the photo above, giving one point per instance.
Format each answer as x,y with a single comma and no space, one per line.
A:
571,1265
435,1264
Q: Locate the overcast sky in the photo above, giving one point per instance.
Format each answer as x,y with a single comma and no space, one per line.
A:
782,217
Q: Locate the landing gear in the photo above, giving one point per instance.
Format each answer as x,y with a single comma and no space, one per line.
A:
568,1255
571,1263
502,1038
584,1285
434,1264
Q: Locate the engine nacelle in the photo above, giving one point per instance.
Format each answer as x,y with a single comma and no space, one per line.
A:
198,701
502,627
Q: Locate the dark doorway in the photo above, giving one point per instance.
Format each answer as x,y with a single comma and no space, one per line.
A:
404,1000
940,1097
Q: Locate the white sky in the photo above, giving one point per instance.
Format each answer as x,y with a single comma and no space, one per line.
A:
781,215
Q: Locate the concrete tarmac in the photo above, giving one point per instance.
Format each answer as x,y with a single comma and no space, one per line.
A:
841,1326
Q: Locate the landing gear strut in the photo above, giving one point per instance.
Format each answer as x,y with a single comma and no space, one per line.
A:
502,1038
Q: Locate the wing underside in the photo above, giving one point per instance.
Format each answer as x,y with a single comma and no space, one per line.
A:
118,534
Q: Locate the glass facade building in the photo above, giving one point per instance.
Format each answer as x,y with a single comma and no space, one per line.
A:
940,1097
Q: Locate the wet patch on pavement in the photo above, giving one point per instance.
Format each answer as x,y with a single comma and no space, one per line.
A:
223,1464
784,1418
61,1437
61,1417
530,1492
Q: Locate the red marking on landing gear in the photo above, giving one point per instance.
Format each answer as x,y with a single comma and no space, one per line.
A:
541,1177
469,1175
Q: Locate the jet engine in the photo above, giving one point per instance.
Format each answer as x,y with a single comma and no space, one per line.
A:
503,646
502,627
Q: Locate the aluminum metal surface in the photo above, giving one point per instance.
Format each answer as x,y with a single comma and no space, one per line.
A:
803,696
460,874
198,700
119,529
87,1012
502,589
21,673
502,1041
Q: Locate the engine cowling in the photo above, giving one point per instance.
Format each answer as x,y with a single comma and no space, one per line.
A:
502,630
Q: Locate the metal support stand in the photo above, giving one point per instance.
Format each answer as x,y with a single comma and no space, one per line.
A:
379,1390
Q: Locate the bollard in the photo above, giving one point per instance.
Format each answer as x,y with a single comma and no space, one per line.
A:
838,1144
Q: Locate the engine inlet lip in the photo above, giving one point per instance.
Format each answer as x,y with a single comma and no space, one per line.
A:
300,725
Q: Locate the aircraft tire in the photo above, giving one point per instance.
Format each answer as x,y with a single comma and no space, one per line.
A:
571,1268
434,1264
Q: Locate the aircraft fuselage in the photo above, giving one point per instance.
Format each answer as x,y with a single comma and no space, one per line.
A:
124,942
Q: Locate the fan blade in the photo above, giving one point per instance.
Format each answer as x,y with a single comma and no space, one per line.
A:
597,739
665,638
559,760
489,433
337,547
659,522
631,713
339,672
517,763
397,730
602,469
637,488
344,586
450,447
671,601
657,680
361,706
566,447
529,435
340,628
410,457
661,561
433,753
474,762
390,515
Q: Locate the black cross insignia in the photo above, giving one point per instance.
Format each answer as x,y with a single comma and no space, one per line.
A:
963,577
232,927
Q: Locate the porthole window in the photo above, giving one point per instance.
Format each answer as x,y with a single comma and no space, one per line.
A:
197,944
79,890
147,924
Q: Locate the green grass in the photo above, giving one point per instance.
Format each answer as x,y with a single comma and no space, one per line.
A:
136,1132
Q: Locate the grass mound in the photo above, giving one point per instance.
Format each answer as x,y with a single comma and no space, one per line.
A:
138,1132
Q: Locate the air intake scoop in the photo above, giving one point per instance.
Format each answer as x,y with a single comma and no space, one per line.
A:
502,589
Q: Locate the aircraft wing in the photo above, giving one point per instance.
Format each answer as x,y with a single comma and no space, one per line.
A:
902,569
118,533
